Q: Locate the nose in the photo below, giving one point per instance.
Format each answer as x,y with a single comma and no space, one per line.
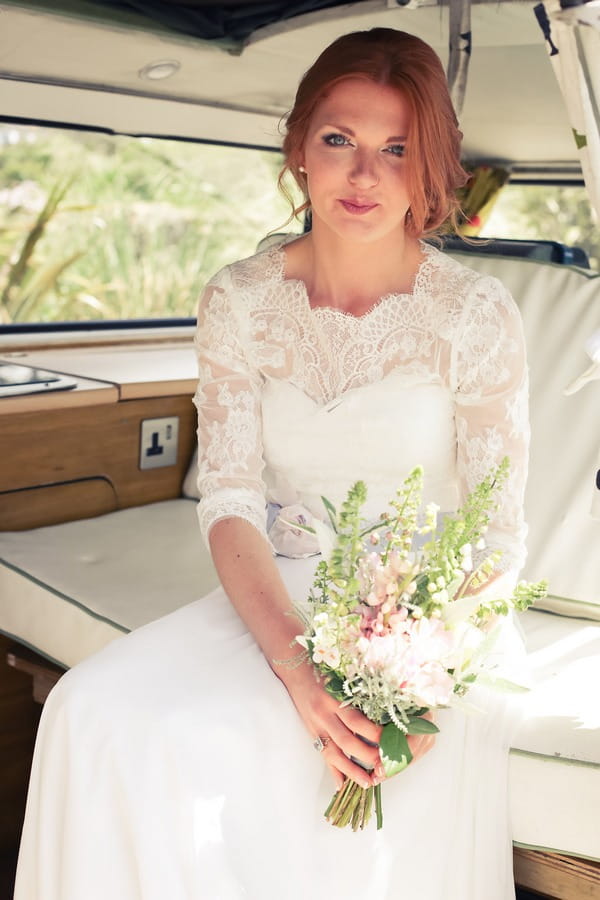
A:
363,172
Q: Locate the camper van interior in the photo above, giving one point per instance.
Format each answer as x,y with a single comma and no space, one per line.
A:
139,151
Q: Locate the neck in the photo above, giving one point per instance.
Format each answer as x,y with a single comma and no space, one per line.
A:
353,276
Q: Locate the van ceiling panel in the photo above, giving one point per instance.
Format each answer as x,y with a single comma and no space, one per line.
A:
91,70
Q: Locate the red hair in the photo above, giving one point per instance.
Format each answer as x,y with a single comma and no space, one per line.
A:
406,63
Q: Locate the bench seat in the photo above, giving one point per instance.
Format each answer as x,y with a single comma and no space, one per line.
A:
76,585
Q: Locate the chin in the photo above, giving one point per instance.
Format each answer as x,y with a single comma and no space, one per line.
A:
363,233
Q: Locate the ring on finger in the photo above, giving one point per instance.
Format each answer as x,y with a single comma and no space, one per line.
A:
320,742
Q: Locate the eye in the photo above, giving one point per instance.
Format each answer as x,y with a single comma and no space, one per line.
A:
335,139
396,149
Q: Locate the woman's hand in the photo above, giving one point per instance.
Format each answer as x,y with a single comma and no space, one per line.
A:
347,734
345,731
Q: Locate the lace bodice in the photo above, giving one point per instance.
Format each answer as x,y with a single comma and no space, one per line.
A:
295,402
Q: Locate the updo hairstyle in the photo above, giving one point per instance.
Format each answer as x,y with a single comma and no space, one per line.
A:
405,62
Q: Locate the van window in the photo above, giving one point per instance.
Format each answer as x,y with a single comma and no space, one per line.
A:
103,227
546,212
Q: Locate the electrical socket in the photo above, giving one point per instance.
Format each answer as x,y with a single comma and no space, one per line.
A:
158,442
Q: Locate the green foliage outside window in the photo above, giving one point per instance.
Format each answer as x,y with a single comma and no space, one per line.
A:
102,227
546,212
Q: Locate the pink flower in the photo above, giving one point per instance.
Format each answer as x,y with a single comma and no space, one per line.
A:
372,599
431,639
432,685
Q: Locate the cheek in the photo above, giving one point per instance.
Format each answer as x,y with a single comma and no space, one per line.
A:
323,165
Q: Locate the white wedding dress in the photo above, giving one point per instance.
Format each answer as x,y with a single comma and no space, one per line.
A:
173,765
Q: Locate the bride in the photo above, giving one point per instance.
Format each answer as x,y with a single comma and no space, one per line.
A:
180,761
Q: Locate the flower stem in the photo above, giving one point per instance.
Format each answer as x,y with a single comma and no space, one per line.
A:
351,805
378,807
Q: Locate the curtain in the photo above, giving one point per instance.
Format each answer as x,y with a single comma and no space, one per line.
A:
573,37
478,196
460,39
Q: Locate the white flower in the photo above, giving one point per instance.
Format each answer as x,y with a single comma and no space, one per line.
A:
332,657
466,560
326,654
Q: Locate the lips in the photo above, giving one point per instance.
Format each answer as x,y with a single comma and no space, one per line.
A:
358,207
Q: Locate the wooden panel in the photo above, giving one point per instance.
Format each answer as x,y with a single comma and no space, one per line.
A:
556,876
36,507
95,442
19,718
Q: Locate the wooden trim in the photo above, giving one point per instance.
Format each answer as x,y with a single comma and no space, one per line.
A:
86,393
557,876
45,505
44,673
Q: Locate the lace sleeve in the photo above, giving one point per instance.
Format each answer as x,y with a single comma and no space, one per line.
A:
230,460
491,390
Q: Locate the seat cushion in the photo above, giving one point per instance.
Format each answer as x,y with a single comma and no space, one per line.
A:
555,760
67,590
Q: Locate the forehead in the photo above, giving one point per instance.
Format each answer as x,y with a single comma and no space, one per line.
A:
361,103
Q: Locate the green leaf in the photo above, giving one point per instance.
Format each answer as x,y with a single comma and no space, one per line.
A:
298,526
419,725
395,752
335,686
580,139
502,684
331,512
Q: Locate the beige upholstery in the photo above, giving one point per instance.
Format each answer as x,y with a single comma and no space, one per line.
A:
561,309
67,590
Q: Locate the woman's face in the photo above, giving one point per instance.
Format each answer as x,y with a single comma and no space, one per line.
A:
354,160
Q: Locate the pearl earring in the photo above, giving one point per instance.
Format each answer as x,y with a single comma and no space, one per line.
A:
302,169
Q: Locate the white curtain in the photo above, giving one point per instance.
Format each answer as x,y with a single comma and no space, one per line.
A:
460,37
573,37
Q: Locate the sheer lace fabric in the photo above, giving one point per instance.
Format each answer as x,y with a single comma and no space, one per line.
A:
292,400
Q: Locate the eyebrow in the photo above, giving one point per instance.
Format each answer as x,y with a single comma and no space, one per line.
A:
346,130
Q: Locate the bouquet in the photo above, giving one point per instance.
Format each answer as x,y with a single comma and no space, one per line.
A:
398,622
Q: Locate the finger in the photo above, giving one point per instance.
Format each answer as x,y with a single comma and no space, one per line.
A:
337,777
352,745
358,723
339,763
